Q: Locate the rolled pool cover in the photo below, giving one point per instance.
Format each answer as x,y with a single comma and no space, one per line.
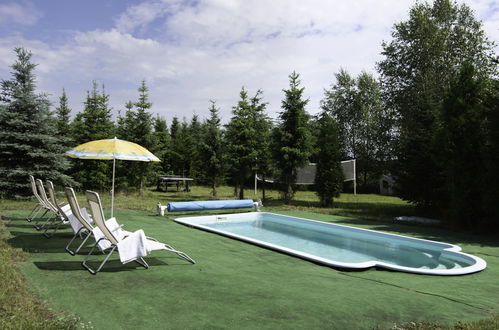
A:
209,205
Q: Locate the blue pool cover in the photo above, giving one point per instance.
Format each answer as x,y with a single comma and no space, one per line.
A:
209,205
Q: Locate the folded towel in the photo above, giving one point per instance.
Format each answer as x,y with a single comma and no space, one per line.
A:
133,246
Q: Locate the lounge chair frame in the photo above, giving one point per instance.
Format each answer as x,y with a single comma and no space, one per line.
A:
85,231
95,205
40,205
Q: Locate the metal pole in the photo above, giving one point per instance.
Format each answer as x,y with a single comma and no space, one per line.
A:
112,190
354,177
255,184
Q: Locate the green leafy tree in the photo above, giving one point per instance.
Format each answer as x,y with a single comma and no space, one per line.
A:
419,64
329,175
28,143
211,149
292,138
93,123
365,127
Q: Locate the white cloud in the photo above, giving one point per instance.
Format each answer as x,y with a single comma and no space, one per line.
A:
197,51
23,14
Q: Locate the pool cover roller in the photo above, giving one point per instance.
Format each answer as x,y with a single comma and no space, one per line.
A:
209,205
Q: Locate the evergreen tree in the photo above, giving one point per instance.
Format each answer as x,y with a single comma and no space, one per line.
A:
463,143
292,138
142,134
211,150
491,175
176,149
243,140
93,123
28,143
63,127
192,142
419,64
161,145
329,175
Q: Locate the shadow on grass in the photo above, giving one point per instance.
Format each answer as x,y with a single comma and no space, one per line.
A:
37,243
111,266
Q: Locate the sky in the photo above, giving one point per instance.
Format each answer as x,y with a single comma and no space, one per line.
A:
192,51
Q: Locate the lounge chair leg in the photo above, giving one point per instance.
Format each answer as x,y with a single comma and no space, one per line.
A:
142,262
71,252
87,267
34,212
38,227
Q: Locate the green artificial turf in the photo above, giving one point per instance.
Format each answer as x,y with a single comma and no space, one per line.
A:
239,285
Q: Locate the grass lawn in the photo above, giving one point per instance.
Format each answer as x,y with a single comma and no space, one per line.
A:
238,285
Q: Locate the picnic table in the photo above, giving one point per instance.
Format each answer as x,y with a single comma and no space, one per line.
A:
165,180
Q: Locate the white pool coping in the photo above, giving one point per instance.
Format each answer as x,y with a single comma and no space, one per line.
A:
476,264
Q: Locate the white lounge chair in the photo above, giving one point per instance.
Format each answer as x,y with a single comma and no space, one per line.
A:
40,205
131,247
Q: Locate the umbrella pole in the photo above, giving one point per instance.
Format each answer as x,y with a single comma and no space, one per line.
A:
112,189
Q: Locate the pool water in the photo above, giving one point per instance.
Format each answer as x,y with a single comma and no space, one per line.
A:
341,246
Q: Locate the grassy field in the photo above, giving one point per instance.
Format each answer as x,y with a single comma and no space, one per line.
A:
234,284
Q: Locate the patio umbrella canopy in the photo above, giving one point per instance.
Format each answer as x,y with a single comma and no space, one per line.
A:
108,149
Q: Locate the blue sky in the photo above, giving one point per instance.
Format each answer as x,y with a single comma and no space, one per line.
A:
193,51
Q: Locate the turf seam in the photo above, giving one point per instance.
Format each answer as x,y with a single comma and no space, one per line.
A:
418,291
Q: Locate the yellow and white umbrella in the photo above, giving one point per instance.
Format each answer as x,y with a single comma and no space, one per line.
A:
112,149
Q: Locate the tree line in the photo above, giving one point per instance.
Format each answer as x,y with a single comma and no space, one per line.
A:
431,120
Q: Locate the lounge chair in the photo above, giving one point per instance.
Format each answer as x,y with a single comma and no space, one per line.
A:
62,211
131,247
84,220
40,205
43,195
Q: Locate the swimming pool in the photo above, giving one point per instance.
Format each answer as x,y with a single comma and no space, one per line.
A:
340,246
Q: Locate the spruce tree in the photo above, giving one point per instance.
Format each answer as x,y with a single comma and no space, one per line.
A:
243,139
161,145
142,134
463,141
292,138
28,141
211,150
93,123
63,125
329,175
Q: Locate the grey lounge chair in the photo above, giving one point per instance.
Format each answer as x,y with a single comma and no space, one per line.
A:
84,219
62,211
114,237
51,208
40,205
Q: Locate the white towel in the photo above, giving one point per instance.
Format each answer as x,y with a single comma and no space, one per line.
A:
114,228
86,216
66,208
133,246
75,223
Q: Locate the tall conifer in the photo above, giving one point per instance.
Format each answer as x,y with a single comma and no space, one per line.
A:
28,140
